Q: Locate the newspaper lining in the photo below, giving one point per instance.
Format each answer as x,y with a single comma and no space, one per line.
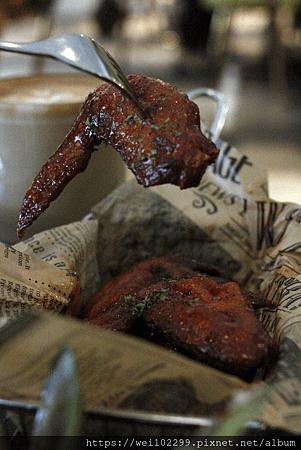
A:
232,206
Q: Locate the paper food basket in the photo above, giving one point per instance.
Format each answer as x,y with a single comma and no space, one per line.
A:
227,221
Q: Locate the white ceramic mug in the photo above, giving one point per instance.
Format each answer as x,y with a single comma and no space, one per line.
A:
36,113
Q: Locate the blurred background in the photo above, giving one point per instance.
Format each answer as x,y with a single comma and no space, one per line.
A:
250,50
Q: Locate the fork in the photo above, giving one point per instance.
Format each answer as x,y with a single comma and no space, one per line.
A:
81,52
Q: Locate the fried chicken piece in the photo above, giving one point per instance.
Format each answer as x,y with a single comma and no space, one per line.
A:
165,146
108,302
213,323
112,307
167,300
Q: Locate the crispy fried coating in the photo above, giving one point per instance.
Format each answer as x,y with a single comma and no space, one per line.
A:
109,307
213,323
204,316
165,146
106,301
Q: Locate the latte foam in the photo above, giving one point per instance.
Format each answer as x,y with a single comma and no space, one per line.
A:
47,89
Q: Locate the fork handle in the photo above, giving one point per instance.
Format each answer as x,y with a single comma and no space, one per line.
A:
25,47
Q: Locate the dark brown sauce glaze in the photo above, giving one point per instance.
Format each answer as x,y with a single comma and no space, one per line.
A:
166,146
208,318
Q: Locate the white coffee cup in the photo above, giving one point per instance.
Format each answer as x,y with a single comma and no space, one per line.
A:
36,113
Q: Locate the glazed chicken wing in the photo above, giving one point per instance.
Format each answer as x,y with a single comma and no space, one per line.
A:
165,146
204,316
213,323
108,300
109,307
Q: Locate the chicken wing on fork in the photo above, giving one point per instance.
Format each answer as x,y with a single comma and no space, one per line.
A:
166,146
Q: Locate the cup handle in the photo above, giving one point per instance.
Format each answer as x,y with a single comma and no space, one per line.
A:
218,122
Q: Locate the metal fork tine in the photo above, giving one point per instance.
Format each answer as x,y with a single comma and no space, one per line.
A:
81,52
59,414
